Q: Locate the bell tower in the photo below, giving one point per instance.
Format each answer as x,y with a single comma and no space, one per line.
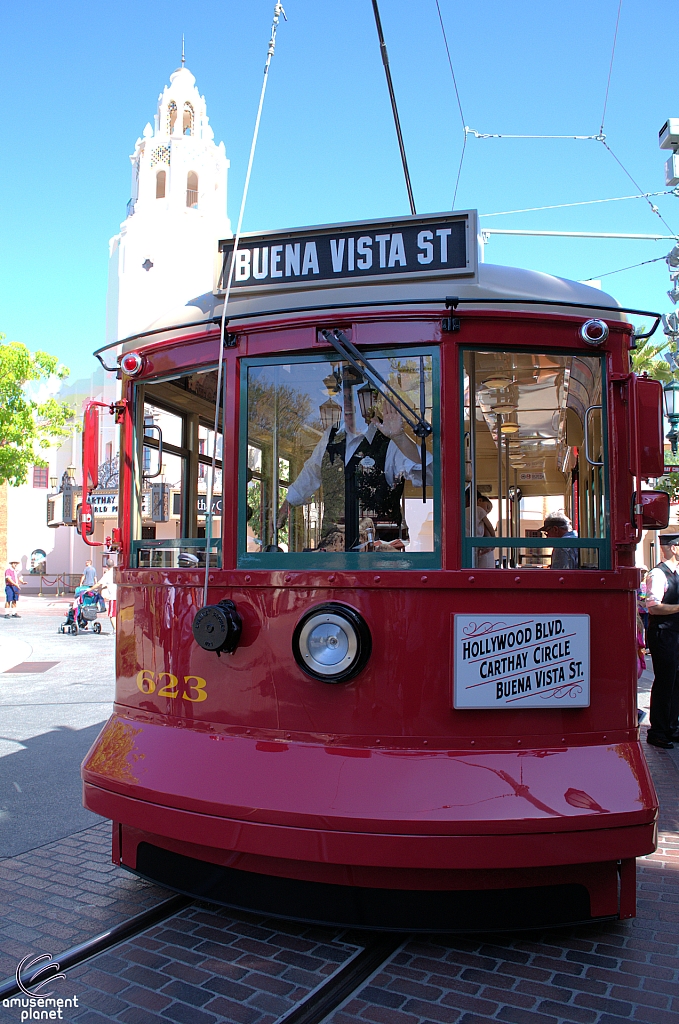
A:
164,253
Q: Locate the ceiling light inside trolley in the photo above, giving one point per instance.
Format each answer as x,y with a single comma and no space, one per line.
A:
498,382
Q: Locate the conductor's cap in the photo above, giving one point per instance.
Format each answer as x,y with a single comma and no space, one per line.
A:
668,539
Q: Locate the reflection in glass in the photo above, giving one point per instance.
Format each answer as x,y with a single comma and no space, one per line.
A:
534,454
331,466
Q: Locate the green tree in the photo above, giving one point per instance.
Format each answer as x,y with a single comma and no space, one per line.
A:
646,358
26,424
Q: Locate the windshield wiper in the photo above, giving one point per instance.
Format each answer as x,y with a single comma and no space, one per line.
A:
417,422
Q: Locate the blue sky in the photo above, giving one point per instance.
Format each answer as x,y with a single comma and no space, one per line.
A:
80,82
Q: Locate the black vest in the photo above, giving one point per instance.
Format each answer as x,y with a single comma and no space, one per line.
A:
671,597
364,490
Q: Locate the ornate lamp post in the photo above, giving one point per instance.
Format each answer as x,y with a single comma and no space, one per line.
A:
671,399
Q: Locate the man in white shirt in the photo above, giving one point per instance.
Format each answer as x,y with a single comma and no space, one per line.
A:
376,464
662,601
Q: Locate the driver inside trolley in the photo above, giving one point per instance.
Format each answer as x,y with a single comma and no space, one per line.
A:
362,474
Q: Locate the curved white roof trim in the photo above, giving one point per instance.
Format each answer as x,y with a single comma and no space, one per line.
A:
494,281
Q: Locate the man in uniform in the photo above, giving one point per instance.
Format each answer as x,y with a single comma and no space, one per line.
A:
662,601
363,476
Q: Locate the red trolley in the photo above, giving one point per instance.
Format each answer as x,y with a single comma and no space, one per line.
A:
402,705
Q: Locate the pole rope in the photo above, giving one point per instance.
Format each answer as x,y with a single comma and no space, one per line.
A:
278,11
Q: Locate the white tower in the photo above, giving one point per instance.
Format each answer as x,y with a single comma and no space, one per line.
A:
164,254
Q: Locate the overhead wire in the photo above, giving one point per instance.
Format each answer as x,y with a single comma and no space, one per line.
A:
278,11
597,277
585,202
610,69
602,136
459,103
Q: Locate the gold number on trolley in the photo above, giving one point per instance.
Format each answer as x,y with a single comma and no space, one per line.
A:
199,686
145,681
171,689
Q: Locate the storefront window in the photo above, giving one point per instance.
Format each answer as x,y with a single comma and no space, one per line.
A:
331,469
534,456
175,445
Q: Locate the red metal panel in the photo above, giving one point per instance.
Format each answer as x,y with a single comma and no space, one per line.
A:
376,849
650,428
318,786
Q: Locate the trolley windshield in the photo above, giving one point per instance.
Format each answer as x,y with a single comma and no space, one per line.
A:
331,471
535,461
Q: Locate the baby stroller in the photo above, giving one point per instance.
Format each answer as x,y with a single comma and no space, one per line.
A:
84,610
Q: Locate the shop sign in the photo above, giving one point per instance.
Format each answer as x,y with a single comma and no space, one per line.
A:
521,661
104,504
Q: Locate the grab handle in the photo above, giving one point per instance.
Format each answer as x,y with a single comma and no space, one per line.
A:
589,410
147,430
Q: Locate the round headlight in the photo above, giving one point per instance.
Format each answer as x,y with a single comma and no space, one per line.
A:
331,642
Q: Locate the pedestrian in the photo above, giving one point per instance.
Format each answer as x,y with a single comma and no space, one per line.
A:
109,591
13,583
89,576
559,527
662,602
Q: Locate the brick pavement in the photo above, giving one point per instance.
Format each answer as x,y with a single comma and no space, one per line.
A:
58,895
206,965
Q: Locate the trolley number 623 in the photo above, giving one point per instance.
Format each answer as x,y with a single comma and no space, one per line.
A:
194,686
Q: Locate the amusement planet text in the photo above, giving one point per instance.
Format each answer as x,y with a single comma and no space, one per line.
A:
519,661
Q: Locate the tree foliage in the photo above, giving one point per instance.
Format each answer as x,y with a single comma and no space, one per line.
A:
27,424
647,358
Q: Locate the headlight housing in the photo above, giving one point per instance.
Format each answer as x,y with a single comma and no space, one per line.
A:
332,642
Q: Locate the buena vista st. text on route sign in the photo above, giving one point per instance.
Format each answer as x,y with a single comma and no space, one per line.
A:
515,661
432,245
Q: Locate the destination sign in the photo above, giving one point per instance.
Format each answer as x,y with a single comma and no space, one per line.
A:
424,246
521,661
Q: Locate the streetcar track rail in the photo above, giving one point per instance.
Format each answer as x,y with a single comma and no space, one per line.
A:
105,940
332,992
313,1008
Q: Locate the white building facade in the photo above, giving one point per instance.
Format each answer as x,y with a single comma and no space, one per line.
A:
165,251
163,255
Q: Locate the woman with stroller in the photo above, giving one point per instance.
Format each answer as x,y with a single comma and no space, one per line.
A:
109,591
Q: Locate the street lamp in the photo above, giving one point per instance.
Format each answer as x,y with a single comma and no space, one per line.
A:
671,399
70,472
53,482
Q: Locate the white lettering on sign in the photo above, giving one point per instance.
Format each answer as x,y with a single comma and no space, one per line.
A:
104,504
521,661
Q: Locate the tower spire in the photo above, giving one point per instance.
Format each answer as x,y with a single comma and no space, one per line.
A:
183,58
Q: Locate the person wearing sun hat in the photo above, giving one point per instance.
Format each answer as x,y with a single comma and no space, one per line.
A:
13,583
662,602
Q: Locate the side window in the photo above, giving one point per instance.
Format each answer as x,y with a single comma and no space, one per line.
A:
535,454
331,471
175,445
